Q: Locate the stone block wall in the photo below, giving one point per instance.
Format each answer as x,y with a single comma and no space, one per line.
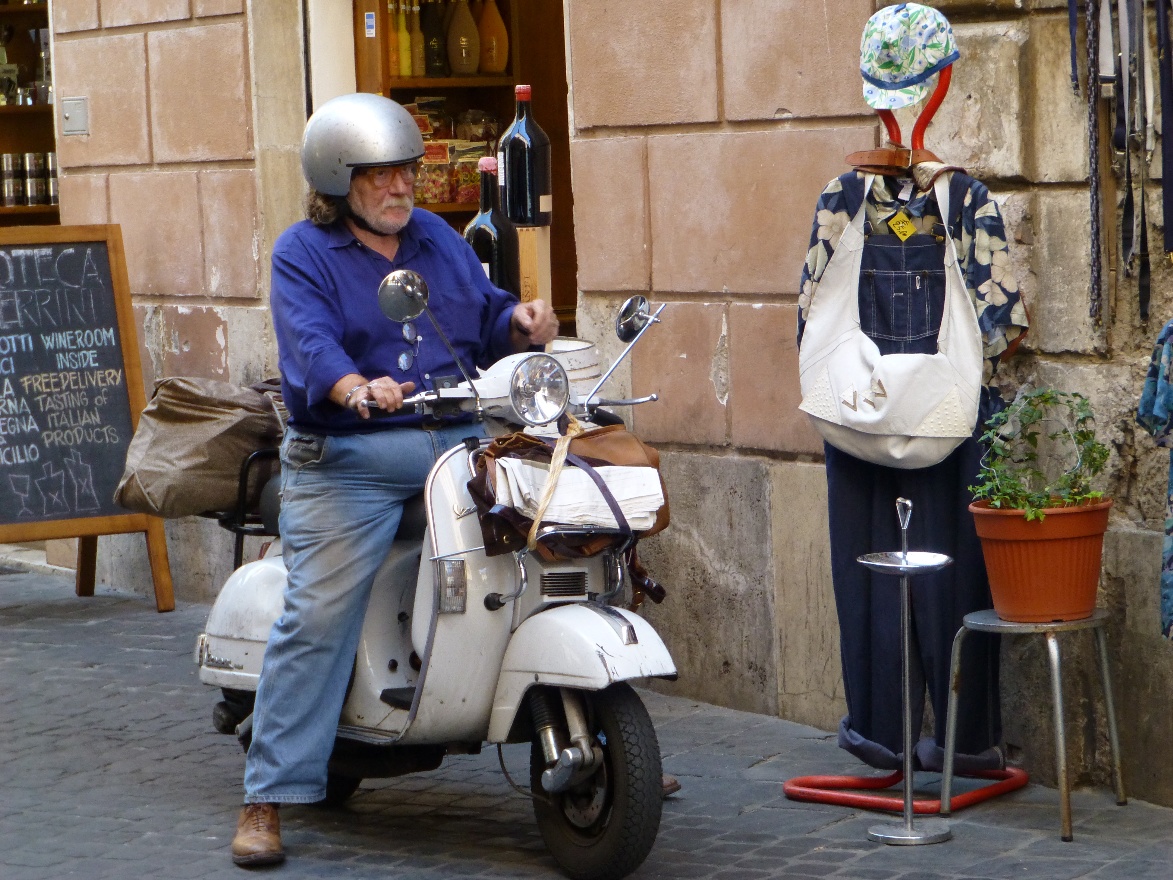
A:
192,151
169,157
695,177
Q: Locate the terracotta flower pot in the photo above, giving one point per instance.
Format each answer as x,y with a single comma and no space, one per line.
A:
1043,570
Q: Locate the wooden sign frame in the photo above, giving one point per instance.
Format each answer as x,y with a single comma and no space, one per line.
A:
87,529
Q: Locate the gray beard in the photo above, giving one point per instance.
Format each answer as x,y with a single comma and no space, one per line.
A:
376,226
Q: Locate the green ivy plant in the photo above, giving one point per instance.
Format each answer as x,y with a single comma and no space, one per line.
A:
1041,421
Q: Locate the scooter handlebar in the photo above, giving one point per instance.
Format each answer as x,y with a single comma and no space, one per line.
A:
625,401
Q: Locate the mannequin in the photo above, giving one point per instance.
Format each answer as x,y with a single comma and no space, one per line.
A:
901,297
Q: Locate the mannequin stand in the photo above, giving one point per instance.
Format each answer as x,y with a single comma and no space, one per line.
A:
907,565
850,791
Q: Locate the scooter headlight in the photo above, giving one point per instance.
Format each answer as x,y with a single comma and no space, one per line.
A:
539,389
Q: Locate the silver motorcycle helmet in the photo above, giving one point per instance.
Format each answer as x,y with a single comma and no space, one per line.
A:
355,131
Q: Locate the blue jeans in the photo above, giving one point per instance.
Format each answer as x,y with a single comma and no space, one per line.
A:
902,293
862,511
341,501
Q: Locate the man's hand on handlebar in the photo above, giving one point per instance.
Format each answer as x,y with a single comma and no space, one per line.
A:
356,393
385,394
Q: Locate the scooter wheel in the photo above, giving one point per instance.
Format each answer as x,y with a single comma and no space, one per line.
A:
603,827
233,709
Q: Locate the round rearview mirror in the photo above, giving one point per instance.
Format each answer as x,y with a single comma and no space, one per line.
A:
633,316
403,295
539,389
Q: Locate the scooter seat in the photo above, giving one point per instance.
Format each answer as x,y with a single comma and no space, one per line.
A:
411,525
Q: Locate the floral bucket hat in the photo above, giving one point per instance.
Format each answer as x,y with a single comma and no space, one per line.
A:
902,47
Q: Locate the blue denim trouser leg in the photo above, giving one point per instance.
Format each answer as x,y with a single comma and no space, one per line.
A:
342,498
862,507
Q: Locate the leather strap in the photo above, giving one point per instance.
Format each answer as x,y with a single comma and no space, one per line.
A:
643,585
944,169
1164,51
889,157
597,478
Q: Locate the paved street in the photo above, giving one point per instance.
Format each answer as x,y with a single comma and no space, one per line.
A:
110,768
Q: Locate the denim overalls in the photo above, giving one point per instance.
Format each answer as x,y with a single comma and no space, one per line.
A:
901,299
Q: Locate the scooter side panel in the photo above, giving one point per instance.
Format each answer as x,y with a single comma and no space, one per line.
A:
574,646
384,650
233,644
463,653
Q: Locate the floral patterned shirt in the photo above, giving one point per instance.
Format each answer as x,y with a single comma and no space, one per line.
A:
981,249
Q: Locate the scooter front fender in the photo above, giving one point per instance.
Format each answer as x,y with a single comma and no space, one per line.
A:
583,646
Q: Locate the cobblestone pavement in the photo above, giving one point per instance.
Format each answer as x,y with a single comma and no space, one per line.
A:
110,768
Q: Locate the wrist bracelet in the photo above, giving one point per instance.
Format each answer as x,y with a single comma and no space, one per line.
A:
350,393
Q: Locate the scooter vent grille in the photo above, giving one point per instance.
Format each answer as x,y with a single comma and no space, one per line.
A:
564,583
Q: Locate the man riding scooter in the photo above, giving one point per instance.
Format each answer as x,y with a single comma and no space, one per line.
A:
345,475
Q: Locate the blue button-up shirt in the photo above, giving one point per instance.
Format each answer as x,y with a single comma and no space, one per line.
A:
326,314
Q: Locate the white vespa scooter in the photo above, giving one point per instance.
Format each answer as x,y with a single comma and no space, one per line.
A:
459,648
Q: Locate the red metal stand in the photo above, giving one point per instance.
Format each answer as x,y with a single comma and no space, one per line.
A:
926,115
839,790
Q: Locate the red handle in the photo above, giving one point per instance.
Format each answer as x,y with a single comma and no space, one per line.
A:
892,125
926,116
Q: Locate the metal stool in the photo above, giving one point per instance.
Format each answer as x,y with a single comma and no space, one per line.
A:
988,621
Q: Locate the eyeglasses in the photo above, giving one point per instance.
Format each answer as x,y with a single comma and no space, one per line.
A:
407,358
382,175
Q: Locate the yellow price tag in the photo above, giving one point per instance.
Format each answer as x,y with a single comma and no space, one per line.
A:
901,226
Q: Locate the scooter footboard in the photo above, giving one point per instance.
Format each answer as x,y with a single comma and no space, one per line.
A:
583,646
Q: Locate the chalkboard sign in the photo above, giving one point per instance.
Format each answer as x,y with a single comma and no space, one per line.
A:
70,385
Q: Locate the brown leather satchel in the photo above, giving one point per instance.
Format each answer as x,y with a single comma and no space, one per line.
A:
505,530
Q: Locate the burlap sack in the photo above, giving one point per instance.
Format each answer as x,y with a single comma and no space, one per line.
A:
192,438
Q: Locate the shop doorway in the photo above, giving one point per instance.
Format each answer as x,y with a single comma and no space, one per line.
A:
349,44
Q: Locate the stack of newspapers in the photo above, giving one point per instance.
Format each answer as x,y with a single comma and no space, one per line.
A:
577,500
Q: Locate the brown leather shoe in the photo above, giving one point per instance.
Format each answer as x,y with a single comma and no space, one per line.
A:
669,785
258,837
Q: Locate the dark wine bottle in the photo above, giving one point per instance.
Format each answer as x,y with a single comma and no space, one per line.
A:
492,236
435,42
523,164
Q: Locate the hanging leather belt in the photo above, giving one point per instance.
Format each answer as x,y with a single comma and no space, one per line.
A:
890,157
1164,51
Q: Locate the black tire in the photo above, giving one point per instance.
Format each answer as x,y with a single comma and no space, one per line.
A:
233,709
224,718
604,828
339,788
